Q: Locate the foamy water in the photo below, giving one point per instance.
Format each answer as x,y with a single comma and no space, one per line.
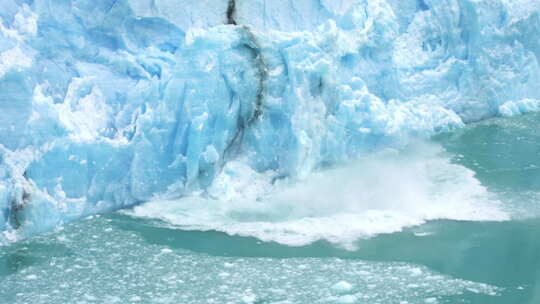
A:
383,193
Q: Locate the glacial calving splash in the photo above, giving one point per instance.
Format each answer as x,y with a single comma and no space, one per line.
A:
110,103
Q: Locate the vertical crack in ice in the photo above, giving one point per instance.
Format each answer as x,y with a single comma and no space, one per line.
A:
250,42
231,10
17,206
255,50
13,218
19,201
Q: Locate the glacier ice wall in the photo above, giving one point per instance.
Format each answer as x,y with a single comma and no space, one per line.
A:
108,103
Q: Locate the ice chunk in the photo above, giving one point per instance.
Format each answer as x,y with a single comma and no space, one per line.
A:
511,108
342,287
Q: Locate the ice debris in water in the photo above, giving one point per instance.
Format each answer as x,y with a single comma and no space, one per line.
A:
342,287
106,104
191,277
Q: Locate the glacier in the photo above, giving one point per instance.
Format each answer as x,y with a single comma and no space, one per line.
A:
111,103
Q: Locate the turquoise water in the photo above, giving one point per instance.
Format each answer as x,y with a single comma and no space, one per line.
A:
505,155
118,258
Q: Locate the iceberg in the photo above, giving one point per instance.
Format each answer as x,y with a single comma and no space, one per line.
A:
107,104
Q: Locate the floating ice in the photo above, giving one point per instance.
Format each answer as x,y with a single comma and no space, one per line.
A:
342,287
109,269
106,104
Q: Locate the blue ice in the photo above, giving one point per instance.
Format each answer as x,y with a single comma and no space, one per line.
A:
109,103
